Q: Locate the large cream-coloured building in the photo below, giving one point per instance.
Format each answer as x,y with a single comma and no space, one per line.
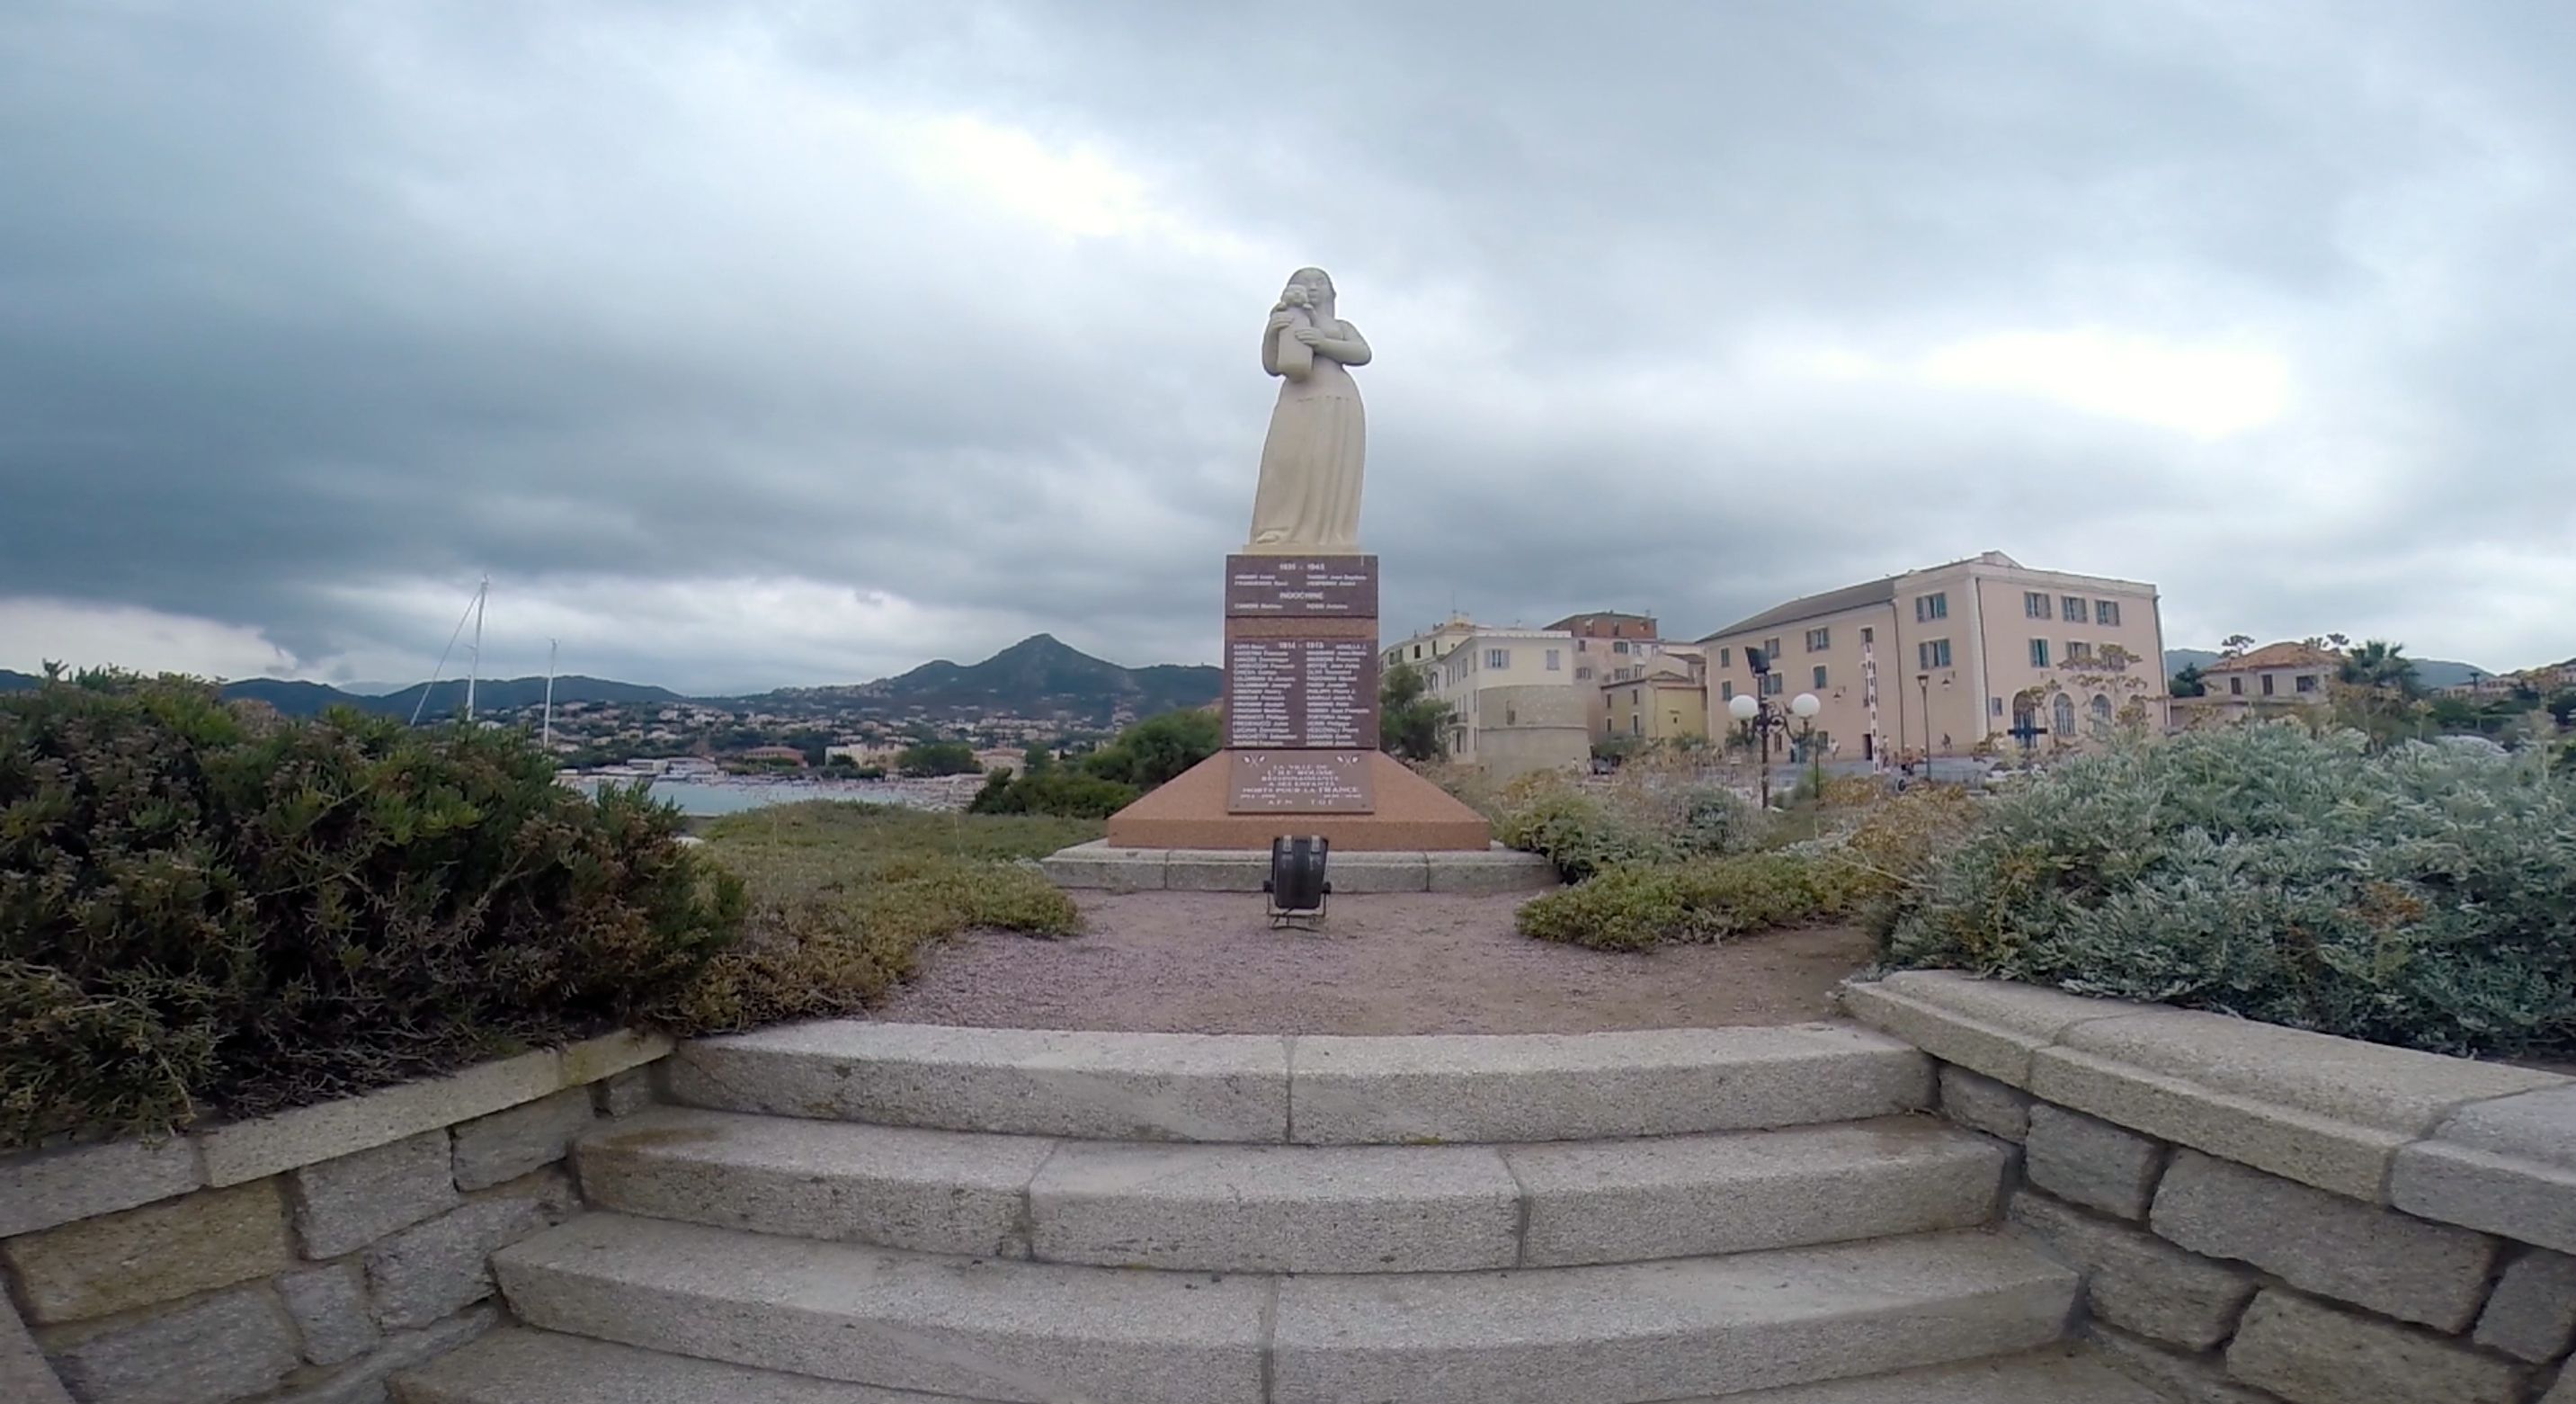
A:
1511,692
1964,654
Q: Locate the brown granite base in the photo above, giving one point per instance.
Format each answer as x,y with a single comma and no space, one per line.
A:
1412,816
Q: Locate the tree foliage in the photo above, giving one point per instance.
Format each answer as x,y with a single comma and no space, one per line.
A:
1412,724
1158,749
1150,753
928,758
2382,667
2189,682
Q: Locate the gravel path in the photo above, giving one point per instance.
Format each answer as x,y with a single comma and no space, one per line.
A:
1186,962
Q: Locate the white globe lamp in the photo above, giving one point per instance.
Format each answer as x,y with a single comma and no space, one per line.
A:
1742,706
1805,704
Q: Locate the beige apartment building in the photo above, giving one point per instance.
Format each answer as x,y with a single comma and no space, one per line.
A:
1663,699
1965,653
1512,693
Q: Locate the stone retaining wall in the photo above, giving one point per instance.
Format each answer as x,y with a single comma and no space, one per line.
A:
299,1259
2263,1214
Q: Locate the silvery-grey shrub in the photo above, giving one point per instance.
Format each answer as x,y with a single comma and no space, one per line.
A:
2423,895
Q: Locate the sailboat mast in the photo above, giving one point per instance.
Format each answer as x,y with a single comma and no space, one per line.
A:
547,730
482,593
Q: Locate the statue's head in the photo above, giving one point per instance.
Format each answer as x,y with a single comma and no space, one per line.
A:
1316,287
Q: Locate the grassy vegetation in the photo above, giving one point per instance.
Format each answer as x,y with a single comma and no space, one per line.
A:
845,897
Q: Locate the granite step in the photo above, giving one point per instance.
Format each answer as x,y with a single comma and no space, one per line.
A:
1319,1090
1029,1333
540,1367
1295,1208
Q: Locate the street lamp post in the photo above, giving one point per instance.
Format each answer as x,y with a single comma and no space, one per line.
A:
1923,683
1768,717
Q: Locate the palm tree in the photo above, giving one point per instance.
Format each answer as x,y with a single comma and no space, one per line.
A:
2382,667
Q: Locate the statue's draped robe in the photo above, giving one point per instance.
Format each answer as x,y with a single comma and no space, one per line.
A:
1312,460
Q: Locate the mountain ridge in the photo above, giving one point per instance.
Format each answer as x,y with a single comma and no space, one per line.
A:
1040,676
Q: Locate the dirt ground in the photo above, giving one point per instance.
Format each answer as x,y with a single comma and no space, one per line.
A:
1403,963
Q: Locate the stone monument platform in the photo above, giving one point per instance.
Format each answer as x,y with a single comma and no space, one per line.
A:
1102,866
1301,750
1410,815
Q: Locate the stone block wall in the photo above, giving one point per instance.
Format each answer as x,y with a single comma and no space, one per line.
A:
300,1259
2264,1215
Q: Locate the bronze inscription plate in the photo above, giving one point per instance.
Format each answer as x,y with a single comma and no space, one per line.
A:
1294,692
1274,587
1299,782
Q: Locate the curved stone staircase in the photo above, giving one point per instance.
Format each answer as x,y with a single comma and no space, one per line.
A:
854,1213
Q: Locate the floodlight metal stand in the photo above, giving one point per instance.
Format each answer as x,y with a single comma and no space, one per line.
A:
1296,893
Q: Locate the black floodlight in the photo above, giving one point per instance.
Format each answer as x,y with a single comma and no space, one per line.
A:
1296,884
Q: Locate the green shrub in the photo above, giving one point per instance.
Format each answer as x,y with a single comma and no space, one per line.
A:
208,910
1635,906
1880,845
2419,896
1578,831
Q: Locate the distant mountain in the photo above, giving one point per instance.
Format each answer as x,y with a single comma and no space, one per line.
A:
297,699
503,694
2431,672
305,699
12,682
1040,676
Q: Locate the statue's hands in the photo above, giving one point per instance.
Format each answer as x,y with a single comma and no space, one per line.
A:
1283,318
1308,336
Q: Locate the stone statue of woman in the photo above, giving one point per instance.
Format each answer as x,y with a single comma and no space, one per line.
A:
1309,497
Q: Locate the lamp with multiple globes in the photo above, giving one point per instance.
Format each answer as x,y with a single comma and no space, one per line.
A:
1768,717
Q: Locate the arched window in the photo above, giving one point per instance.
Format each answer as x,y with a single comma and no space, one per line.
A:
2101,714
2062,717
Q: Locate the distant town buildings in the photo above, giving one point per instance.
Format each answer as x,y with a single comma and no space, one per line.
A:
1513,699
1663,698
1608,644
2275,679
2544,680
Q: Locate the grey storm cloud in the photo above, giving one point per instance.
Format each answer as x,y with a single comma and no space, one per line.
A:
755,344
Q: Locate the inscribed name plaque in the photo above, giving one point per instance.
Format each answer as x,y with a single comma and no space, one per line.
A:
1298,692
1285,587
1299,782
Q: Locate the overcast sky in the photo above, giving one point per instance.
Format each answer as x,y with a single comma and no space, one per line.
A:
758,344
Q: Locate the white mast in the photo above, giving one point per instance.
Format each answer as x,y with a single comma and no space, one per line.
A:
547,731
482,593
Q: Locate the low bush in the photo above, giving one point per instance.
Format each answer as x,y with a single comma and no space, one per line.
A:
1639,905
1060,792
1578,830
208,910
2417,896
1878,847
